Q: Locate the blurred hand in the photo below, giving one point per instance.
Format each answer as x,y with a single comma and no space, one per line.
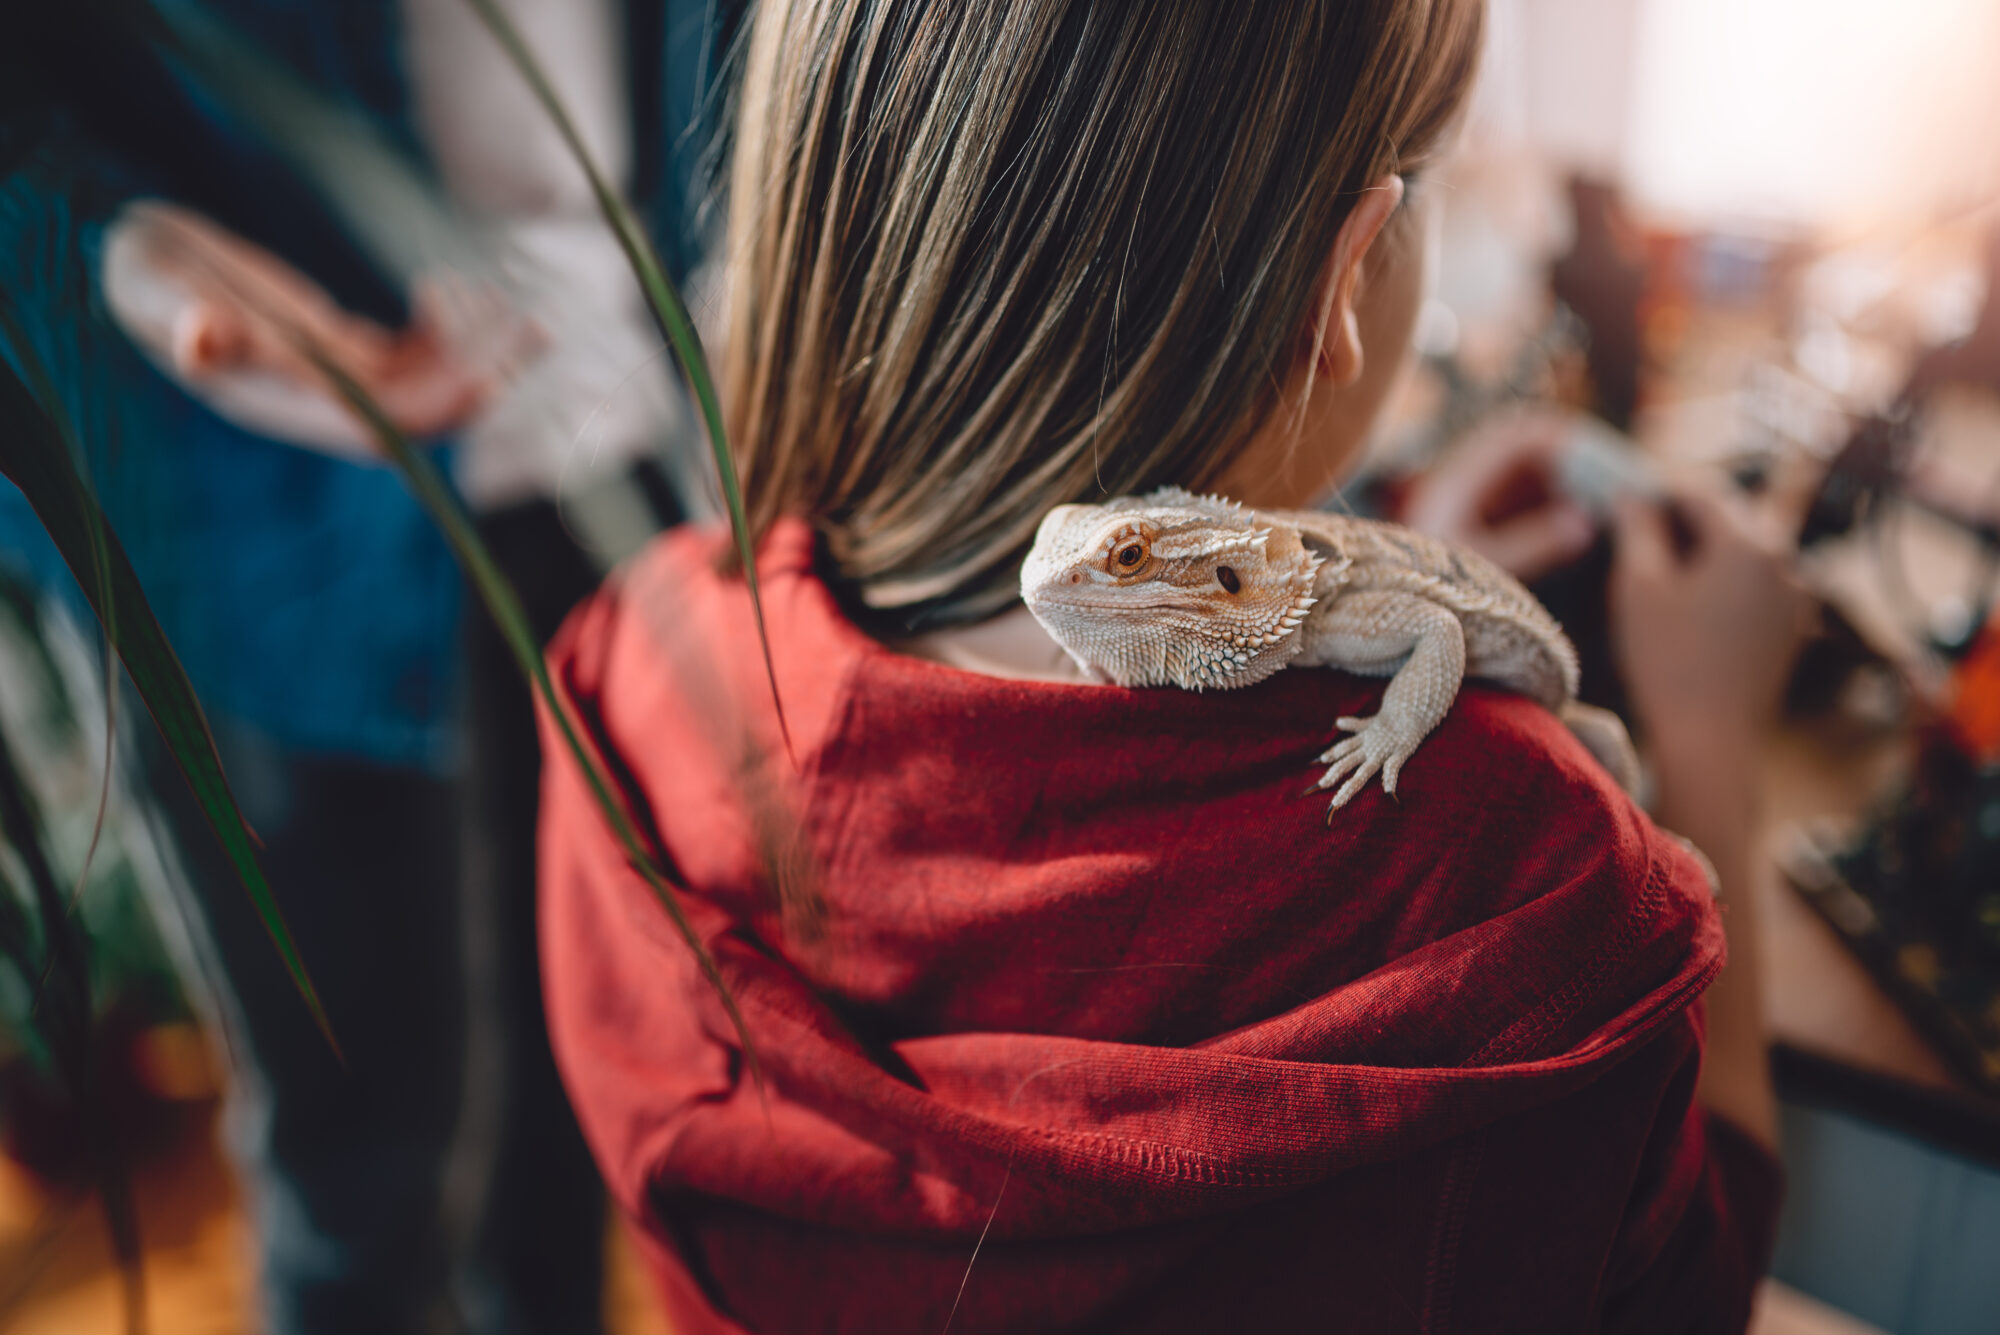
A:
1706,616
1495,494
248,309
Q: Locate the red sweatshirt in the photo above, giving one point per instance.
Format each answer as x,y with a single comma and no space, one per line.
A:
1105,1026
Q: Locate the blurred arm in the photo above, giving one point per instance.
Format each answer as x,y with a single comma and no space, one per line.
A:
1706,638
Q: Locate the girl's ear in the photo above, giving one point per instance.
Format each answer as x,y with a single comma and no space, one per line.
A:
1336,333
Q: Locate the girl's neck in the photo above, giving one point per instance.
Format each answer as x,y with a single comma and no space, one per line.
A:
1011,645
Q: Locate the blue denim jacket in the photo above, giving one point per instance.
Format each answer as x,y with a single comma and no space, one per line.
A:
305,595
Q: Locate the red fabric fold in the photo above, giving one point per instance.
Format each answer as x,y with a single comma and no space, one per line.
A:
1100,992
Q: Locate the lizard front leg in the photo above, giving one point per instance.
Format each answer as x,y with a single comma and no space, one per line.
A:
1379,633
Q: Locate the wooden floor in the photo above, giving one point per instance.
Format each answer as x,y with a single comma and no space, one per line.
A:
57,1275
56,1257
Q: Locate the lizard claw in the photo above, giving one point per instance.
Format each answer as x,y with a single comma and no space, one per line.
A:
1377,747
1362,770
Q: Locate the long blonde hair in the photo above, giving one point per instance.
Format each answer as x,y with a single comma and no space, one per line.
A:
990,256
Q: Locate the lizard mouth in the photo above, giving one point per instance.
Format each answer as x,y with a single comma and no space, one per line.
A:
1042,604
1114,603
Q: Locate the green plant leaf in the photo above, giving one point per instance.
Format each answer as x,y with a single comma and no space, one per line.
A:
669,312
35,456
106,597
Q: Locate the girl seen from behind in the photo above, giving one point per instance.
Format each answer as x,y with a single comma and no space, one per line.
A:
1097,1024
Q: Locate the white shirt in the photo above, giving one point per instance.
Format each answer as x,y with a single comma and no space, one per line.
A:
602,394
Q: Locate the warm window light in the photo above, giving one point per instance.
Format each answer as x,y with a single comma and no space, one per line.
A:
1815,112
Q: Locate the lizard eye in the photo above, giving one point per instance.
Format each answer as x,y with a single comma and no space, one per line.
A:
1131,553
1227,578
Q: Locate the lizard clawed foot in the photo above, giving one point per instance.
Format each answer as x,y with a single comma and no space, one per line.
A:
1377,746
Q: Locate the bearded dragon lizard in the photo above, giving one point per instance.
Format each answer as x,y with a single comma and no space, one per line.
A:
1202,593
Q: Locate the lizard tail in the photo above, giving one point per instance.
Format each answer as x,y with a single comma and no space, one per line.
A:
1604,736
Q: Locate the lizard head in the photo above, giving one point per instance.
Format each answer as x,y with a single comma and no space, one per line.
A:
1170,589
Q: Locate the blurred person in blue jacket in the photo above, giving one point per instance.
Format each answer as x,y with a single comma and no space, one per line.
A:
382,746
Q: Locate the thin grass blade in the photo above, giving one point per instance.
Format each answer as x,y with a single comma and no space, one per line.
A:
35,457
106,597
504,605
668,311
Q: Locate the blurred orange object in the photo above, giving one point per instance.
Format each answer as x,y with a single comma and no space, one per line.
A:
1974,716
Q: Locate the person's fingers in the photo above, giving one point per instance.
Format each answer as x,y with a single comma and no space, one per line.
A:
433,404
209,337
1496,468
364,347
1771,527
442,312
473,325
1727,523
1501,446
1645,538
1530,545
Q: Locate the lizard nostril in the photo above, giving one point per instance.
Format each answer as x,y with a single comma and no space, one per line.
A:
1076,577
